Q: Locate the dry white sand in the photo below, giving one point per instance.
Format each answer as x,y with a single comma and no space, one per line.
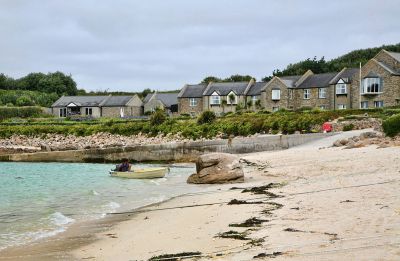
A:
339,204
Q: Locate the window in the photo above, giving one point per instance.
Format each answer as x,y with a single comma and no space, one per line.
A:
192,102
322,93
254,99
364,105
371,85
290,94
323,107
215,100
342,106
63,112
341,88
307,94
378,104
276,95
274,109
88,111
232,98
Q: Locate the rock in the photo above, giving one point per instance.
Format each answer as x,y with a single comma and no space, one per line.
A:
217,168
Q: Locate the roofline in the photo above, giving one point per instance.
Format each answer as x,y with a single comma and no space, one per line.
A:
251,83
391,54
207,88
337,76
106,99
385,67
270,82
307,74
182,91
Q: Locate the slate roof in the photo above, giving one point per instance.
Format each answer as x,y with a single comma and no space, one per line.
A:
256,88
224,88
116,101
387,68
192,91
79,100
168,99
290,81
317,80
347,73
92,101
394,55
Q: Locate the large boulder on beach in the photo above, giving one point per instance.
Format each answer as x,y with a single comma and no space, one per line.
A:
217,168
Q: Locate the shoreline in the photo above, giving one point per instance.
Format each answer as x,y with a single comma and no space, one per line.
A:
333,200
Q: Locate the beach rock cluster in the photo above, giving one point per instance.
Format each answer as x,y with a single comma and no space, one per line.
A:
58,142
366,139
357,124
217,168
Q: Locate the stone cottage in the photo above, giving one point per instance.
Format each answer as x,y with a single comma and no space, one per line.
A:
190,99
97,106
340,92
223,97
164,101
380,82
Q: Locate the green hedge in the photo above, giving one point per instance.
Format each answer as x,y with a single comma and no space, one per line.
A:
20,112
391,126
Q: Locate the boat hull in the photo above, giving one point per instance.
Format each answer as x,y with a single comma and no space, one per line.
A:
149,173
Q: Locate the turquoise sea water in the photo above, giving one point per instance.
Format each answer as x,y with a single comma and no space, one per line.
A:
41,199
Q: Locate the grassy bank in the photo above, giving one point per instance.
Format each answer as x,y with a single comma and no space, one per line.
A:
243,124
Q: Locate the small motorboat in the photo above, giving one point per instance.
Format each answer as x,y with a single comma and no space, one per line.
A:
149,173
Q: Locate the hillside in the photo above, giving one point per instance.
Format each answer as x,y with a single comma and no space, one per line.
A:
351,59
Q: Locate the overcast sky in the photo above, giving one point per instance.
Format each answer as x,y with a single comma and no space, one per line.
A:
130,45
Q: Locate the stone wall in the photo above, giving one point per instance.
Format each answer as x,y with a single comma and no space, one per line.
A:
386,58
391,87
282,103
184,106
178,151
116,111
314,101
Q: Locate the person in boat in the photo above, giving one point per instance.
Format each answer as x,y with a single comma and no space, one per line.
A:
124,166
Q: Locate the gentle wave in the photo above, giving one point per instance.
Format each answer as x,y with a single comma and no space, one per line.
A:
59,219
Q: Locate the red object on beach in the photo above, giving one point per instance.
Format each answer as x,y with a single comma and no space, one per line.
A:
327,127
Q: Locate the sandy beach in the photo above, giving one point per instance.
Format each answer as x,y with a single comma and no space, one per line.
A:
324,203
334,204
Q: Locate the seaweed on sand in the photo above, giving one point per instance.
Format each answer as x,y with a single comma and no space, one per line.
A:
251,222
241,202
175,257
273,255
234,235
264,190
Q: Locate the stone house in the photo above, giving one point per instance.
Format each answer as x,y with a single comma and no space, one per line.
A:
97,106
341,94
253,96
380,82
223,97
164,101
190,99
278,93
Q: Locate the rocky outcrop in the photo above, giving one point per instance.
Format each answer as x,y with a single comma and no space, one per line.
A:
366,139
357,124
217,168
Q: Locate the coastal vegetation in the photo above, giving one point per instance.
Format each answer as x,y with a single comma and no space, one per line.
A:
238,124
391,126
349,60
20,112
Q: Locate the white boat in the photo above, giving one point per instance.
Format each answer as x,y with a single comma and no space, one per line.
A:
149,173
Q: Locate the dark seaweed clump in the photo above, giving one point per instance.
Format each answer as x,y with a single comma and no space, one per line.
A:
174,257
241,202
251,222
234,235
273,255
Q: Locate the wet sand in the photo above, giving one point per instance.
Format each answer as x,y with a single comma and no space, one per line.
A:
332,204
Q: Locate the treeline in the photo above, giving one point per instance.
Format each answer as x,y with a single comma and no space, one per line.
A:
57,83
232,78
349,60
26,98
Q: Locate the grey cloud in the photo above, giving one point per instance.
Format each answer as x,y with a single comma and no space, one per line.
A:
158,44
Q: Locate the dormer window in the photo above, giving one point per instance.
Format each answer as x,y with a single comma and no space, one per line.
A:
232,98
276,94
215,99
341,87
371,85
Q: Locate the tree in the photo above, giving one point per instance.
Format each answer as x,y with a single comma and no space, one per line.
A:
238,78
249,103
223,104
158,117
24,101
145,92
231,98
206,117
209,79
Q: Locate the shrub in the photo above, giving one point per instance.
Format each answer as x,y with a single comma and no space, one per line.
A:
158,118
348,127
391,126
21,112
206,117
